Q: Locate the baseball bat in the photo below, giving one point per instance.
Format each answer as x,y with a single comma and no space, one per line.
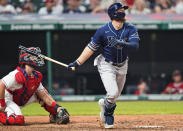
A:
44,57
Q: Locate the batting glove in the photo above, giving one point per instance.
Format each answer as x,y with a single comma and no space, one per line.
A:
74,64
116,43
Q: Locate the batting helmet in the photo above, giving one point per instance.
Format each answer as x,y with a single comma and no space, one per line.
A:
113,11
26,58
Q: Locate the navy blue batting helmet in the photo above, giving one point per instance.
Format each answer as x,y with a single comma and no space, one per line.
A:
113,11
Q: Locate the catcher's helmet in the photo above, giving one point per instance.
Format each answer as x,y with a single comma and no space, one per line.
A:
26,58
113,11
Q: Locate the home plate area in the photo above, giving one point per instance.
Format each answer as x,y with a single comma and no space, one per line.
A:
87,123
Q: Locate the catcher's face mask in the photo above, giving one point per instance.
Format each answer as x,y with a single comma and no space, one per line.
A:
26,58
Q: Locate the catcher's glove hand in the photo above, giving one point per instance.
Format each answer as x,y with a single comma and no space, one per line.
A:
62,117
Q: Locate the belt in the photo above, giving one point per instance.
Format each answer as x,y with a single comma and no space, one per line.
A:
116,64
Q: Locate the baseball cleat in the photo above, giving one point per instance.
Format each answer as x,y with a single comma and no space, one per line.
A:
109,122
102,107
109,126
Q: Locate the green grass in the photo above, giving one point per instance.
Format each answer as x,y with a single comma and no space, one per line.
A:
123,108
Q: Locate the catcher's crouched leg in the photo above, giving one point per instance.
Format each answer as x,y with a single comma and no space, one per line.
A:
58,114
13,119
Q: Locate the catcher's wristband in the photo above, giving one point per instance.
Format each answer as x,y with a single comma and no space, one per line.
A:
2,103
55,106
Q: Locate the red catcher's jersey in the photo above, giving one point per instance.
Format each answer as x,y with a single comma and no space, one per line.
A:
23,86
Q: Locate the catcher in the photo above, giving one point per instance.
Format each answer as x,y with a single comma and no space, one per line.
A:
22,87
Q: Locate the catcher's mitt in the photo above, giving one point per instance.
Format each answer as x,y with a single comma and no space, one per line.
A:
52,118
62,117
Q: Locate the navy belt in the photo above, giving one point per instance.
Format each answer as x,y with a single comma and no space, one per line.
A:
116,64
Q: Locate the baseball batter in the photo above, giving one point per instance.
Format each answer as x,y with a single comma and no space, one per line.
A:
115,38
22,87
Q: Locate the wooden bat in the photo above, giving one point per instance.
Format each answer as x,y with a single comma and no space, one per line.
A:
43,56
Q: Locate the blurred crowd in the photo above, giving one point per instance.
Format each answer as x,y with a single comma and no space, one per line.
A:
143,87
176,86
172,85
61,87
44,7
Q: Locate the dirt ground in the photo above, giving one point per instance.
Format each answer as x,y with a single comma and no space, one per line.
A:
92,123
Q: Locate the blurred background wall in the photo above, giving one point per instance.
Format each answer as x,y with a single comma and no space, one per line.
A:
159,54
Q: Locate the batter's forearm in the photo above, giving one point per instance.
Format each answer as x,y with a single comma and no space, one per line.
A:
2,90
85,55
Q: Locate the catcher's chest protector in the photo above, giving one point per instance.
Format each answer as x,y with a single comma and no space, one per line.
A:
30,84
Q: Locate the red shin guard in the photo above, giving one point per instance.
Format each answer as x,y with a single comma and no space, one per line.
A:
16,120
20,120
3,117
12,119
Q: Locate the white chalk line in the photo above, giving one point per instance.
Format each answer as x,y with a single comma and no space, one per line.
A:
147,126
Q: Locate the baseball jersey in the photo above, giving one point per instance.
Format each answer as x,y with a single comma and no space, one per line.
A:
7,9
21,90
174,88
56,10
106,33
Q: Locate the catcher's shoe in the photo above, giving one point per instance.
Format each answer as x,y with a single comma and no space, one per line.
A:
109,122
102,107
